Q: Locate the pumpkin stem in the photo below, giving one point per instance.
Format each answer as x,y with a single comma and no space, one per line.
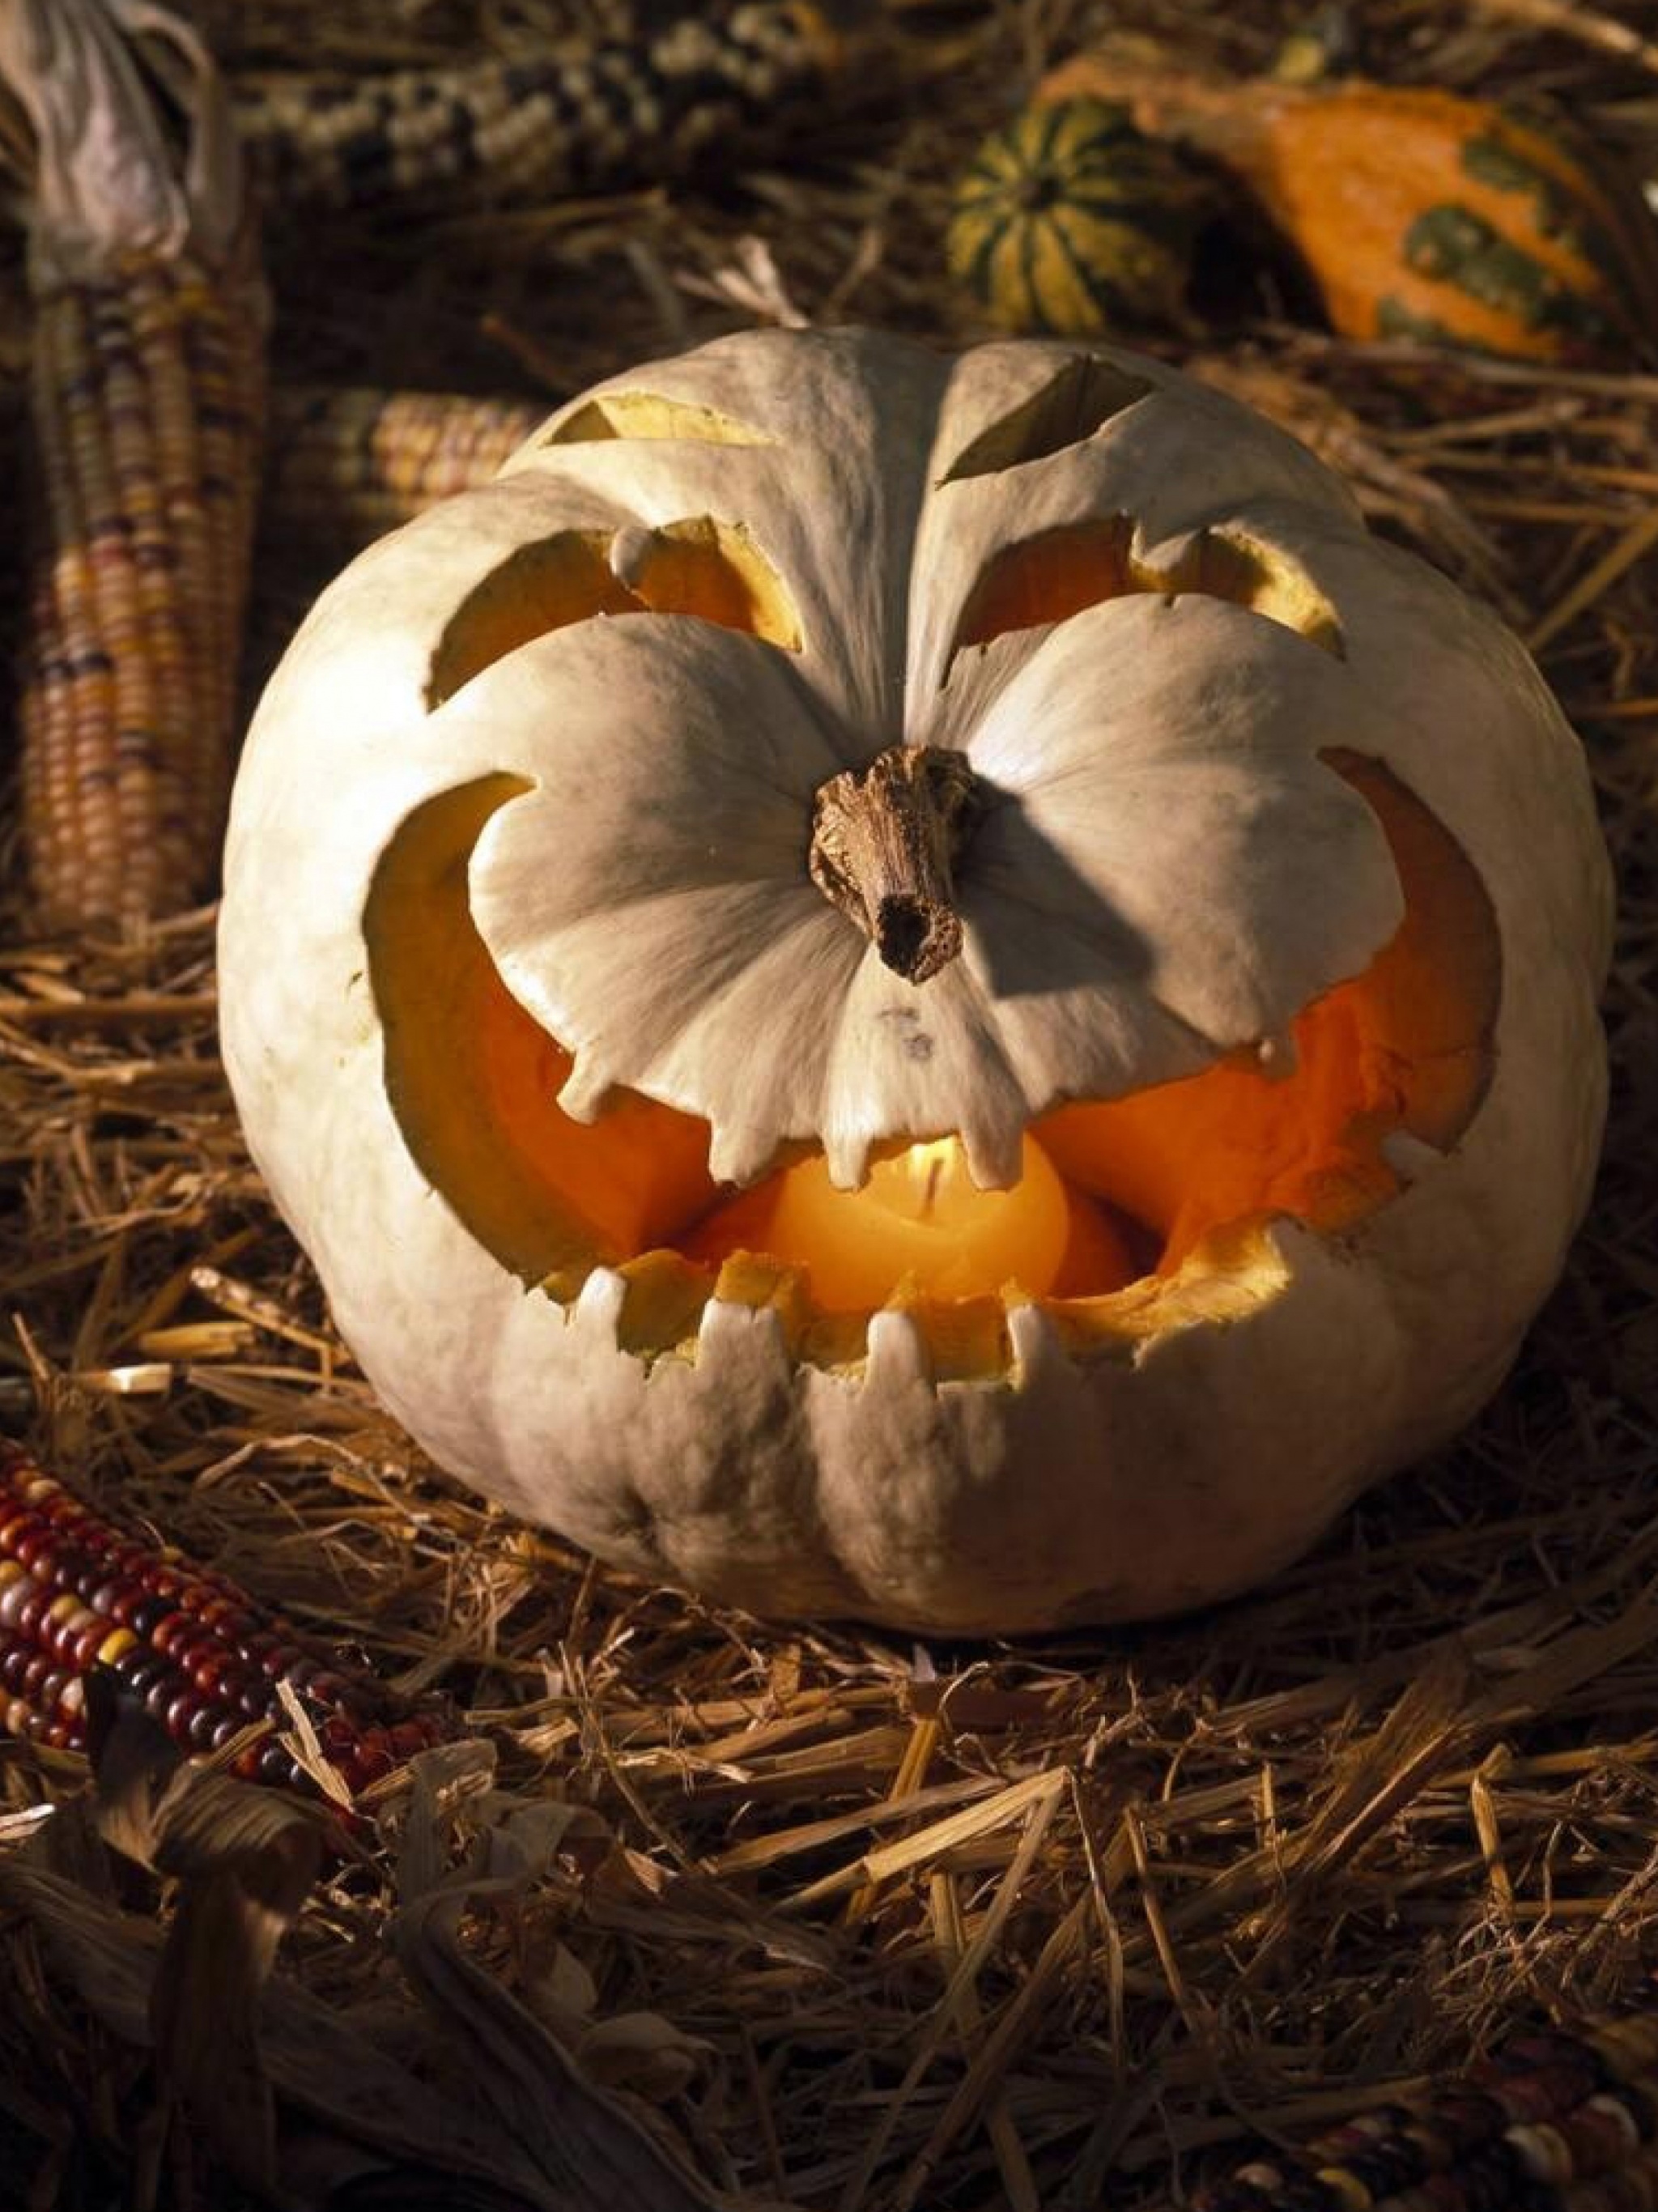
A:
883,840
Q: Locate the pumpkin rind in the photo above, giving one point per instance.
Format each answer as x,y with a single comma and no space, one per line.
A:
1068,220
716,1440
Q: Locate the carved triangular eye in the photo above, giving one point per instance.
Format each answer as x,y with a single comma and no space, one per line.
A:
1057,573
1070,408
697,566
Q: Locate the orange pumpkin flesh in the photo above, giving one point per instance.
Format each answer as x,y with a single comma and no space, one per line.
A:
1173,1176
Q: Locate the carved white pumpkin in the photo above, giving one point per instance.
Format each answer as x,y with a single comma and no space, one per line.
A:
1018,779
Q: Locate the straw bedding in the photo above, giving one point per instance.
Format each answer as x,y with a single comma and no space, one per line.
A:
843,1920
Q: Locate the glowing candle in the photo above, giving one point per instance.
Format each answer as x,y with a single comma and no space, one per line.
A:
920,1215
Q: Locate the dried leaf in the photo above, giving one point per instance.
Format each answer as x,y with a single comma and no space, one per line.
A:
245,1860
586,2144
643,2052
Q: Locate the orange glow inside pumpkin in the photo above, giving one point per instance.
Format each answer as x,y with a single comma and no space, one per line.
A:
1124,1201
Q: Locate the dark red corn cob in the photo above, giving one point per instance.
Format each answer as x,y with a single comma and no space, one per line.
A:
78,1593
1556,2121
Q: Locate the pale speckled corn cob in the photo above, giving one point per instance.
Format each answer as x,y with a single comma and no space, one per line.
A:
347,465
146,405
607,113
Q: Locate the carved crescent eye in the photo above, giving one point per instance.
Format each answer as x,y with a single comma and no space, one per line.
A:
1074,565
713,570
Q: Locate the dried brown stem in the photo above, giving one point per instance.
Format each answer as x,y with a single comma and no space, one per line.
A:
884,839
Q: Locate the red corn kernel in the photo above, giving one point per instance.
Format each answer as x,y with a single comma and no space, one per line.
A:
372,1761
276,1766
256,1699
199,1735
169,1632
161,1694
143,1614
182,1709
14,1598
31,1540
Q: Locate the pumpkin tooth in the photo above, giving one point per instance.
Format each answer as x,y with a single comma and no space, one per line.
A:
996,1156
630,551
896,1351
584,1090
1278,1056
847,1158
1409,1156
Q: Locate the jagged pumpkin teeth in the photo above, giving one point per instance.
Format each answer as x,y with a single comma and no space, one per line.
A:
1019,1029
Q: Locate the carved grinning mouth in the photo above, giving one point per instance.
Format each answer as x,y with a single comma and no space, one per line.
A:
1375,1081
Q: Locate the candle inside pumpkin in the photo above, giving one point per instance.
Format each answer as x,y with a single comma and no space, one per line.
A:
919,1219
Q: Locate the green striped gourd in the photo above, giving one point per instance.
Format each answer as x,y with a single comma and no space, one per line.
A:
1068,220
1418,213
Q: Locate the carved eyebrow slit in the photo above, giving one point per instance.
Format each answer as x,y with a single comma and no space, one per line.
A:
647,415
697,566
1058,571
1067,410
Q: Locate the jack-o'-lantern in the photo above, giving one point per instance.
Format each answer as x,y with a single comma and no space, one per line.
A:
918,988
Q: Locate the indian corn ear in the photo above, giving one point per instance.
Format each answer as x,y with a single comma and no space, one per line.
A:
147,406
349,464
77,1593
591,116
1556,2120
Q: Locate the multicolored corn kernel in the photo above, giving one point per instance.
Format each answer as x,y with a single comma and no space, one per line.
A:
77,1593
